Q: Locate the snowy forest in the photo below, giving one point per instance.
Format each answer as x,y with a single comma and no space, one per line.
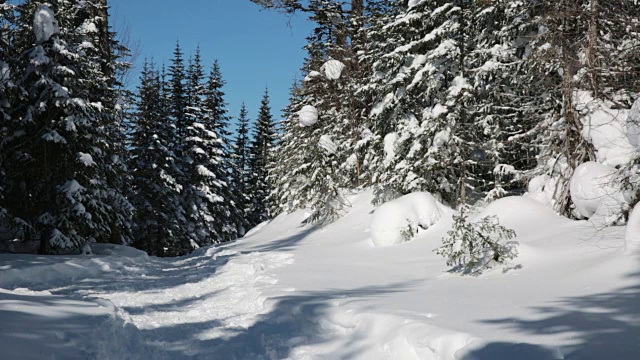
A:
449,128
468,100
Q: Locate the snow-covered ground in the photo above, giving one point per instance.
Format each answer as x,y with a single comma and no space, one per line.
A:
288,291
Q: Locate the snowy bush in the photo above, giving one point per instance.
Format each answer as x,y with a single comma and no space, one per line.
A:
472,247
398,221
632,234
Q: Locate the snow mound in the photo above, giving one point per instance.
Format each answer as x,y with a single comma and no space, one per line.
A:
308,115
596,194
333,69
44,24
632,234
633,124
512,209
394,220
607,129
542,188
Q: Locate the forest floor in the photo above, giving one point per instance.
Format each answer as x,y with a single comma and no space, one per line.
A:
292,291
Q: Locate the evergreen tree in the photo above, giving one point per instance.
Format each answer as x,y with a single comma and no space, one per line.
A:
216,107
203,193
261,159
156,191
63,176
240,174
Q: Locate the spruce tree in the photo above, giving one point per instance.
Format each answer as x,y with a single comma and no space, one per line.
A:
156,191
240,172
261,158
203,193
59,154
216,107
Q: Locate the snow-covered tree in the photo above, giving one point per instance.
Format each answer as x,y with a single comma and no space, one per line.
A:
66,116
240,171
202,195
216,107
261,159
156,192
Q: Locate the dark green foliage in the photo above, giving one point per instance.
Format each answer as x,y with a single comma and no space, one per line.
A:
472,247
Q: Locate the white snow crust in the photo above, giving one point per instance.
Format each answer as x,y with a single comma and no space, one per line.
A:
332,69
308,115
393,219
45,24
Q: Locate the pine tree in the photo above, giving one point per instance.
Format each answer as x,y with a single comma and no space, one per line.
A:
203,195
66,117
216,107
156,191
240,174
261,159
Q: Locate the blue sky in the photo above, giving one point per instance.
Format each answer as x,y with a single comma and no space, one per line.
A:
256,48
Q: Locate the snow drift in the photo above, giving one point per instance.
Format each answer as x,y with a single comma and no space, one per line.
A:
596,193
396,221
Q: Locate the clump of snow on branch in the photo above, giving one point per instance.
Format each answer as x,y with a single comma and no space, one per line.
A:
596,194
44,24
414,3
390,141
308,115
86,159
312,75
333,69
398,221
327,144
5,73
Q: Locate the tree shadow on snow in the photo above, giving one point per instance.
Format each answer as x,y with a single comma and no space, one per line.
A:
288,243
293,321
596,326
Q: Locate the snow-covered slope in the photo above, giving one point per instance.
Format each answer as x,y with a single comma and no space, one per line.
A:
289,291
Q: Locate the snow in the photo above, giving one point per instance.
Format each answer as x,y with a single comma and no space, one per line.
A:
632,236
332,69
45,24
312,75
633,124
86,159
414,3
308,115
299,292
606,129
392,220
390,141
542,189
5,73
596,194
327,145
